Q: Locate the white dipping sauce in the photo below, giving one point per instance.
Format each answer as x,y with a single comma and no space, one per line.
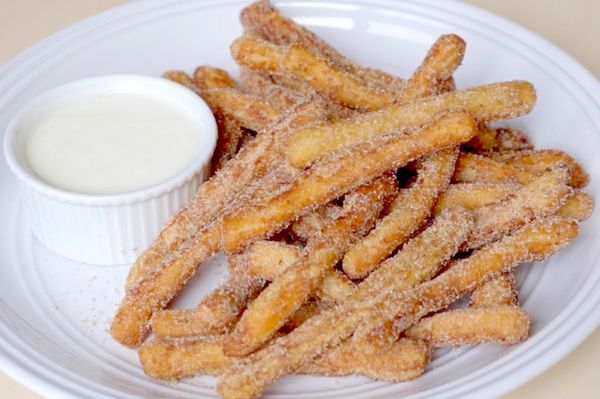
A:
109,143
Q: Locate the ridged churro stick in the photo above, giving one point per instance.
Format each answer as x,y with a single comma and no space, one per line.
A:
251,111
490,140
331,179
232,135
474,168
476,195
287,354
306,226
261,85
207,77
493,315
249,377
169,360
442,59
167,265
215,314
485,103
538,161
299,62
542,197
284,296
507,324
269,259
264,20
412,206
501,290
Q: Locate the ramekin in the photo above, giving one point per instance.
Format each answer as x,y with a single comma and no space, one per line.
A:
108,229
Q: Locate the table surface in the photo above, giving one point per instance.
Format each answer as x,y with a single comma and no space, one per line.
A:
572,25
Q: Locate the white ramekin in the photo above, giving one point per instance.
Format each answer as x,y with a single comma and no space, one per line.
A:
108,229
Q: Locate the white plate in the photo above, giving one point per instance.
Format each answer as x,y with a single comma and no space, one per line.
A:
54,313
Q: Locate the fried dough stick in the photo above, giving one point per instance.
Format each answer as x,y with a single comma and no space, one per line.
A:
232,135
412,207
331,179
499,291
268,260
536,241
298,62
542,197
252,112
207,77
504,324
262,19
306,226
193,234
493,316
215,313
485,103
538,161
282,92
168,360
261,85
490,140
284,296
476,195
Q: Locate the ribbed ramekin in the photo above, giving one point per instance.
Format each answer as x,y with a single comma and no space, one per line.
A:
108,229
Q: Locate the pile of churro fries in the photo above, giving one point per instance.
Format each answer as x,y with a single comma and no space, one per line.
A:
354,207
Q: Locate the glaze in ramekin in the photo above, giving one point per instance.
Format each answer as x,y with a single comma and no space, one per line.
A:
108,229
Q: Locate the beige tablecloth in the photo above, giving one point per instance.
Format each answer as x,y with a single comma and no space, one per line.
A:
573,25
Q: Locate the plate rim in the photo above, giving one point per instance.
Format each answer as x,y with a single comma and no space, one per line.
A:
36,382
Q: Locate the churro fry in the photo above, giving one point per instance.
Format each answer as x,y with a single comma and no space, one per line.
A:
168,360
207,77
540,160
541,197
473,168
261,85
439,64
232,135
404,360
263,19
273,307
331,179
476,195
503,324
269,259
252,112
579,206
306,226
408,212
158,287
501,290
286,354
485,103
215,314
490,140
299,62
